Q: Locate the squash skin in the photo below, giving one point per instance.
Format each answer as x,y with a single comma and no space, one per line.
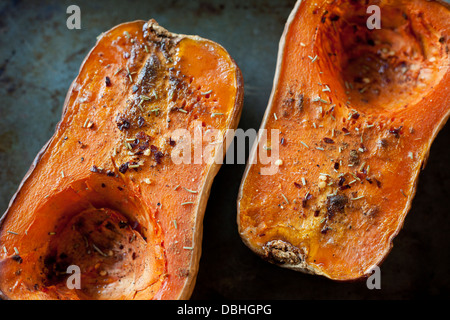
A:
334,227
79,174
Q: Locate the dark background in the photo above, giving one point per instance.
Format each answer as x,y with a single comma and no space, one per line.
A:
39,58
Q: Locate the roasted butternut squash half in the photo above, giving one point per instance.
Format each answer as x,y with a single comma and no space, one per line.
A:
356,109
112,195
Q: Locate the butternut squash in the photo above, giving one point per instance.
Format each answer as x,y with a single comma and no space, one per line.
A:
356,109
105,196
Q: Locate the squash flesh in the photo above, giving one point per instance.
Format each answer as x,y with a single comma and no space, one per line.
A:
354,136
111,156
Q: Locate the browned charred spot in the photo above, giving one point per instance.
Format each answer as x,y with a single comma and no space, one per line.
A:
336,204
354,158
183,273
288,102
54,268
107,81
282,252
300,101
148,74
383,143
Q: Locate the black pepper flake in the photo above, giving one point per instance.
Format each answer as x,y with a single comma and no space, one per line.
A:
108,81
341,181
123,124
158,157
325,229
110,173
17,258
336,165
396,131
297,185
134,143
123,167
82,145
143,146
157,154
334,17
172,142
328,140
122,224
305,200
355,116
378,183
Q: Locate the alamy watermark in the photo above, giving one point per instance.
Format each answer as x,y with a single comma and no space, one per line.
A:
74,20
206,146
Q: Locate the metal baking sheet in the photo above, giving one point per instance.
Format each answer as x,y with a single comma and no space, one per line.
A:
40,56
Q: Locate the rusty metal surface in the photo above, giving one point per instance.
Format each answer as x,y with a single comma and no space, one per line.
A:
39,58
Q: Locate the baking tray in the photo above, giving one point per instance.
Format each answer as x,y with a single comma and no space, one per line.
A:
40,56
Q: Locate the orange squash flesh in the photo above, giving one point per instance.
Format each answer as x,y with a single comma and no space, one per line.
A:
105,194
357,110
